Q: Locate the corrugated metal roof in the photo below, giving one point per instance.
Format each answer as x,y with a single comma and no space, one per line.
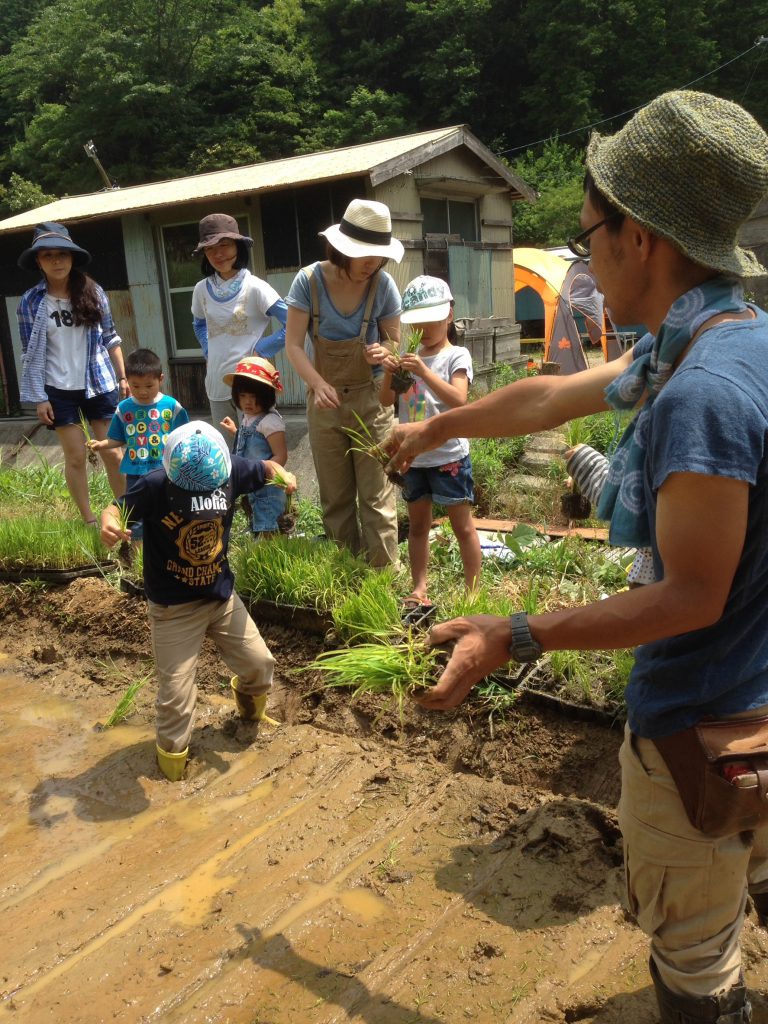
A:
381,160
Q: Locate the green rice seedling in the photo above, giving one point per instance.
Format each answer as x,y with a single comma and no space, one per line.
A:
371,611
126,706
85,427
309,518
574,669
48,543
498,701
296,571
286,521
396,671
364,442
460,604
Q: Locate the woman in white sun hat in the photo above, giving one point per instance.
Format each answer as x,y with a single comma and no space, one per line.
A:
351,307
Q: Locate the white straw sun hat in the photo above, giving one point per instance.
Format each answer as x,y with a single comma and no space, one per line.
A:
365,230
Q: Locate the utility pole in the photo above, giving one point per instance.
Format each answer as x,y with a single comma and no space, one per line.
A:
90,149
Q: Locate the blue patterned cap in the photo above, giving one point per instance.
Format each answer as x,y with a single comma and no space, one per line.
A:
196,458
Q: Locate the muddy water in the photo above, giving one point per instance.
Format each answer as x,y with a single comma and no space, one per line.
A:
307,877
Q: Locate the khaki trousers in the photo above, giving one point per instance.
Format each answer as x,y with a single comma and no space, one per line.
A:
687,891
178,631
357,499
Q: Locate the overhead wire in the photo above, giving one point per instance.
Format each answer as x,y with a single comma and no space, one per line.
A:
761,41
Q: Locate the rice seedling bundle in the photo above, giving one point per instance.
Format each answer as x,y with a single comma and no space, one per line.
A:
48,542
296,571
364,442
394,670
370,611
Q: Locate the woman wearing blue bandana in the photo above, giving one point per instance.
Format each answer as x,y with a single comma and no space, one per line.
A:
664,200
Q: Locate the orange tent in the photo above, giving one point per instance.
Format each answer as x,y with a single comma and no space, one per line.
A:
552,278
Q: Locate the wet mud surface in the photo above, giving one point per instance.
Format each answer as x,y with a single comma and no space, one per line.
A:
339,867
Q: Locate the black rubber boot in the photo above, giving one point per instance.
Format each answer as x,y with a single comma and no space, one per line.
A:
731,1007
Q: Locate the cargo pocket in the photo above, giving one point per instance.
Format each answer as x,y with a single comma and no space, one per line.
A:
667,877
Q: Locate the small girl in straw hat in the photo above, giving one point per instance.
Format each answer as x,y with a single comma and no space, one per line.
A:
261,434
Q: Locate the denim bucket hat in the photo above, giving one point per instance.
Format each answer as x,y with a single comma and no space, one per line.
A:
51,235
691,168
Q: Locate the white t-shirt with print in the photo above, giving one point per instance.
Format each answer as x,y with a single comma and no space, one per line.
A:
66,349
234,327
419,403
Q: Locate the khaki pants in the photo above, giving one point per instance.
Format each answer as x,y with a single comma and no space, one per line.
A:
357,499
178,631
687,891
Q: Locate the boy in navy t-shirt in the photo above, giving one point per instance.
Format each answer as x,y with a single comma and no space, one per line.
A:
187,507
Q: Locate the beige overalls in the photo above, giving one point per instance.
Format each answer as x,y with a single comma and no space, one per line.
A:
357,499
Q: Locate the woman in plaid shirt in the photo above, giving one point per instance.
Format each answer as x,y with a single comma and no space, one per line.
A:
73,362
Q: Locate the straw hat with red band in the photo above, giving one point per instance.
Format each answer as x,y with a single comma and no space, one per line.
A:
255,368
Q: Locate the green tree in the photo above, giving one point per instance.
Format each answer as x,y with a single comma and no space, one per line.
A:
557,173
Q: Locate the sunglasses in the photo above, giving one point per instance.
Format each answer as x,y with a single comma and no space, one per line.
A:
580,246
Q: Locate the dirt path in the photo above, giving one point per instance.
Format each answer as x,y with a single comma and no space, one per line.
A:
323,871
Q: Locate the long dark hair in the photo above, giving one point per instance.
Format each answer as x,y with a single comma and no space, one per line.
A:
84,297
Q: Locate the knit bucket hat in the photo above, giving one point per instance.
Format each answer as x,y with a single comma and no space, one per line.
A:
365,230
426,300
197,463
216,227
691,168
52,235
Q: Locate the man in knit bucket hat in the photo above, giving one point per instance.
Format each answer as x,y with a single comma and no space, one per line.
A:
665,198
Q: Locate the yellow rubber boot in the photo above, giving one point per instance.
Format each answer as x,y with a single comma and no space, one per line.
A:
172,765
251,708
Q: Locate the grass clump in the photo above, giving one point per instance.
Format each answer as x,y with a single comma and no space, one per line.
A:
370,612
296,571
48,542
395,670
126,706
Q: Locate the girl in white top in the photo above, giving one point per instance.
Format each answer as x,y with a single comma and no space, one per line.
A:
231,309
442,373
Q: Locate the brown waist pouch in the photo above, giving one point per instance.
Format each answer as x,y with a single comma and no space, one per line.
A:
720,768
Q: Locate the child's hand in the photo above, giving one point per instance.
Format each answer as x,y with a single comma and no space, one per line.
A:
110,528
95,446
287,480
413,364
229,424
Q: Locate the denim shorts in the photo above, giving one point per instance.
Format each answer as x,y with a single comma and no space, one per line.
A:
67,405
447,485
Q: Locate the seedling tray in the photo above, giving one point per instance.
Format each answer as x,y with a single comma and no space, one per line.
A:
310,620
48,575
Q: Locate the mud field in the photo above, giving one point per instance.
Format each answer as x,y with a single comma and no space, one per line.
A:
335,868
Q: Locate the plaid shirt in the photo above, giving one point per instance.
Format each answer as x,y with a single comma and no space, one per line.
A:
32,314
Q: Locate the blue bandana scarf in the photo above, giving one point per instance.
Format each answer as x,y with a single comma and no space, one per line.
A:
224,290
623,498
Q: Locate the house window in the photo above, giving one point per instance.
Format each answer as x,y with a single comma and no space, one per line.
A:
291,220
182,272
450,217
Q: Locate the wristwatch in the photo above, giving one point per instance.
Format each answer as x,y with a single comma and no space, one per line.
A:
523,647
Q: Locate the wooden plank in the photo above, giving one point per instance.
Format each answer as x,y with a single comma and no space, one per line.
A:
508,525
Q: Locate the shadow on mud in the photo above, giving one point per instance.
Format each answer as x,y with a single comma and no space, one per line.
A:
274,953
111,789
556,862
